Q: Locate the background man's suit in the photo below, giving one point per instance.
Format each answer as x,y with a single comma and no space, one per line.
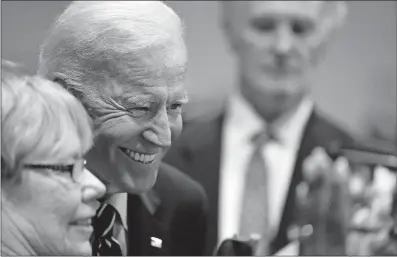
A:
198,153
179,219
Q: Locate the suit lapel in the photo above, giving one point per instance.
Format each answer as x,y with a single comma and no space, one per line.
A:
152,201
318,132
201,155
308,142
146,235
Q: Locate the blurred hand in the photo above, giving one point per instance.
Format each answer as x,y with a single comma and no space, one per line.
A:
374,217
338,201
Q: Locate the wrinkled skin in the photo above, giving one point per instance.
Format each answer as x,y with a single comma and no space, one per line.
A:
143,115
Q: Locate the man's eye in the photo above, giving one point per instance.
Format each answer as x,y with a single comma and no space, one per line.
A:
141,108
139,111
301,28
264,25
175,108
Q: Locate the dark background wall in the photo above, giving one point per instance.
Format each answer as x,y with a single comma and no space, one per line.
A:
357,84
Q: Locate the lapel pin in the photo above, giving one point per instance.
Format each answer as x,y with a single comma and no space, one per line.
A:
156,242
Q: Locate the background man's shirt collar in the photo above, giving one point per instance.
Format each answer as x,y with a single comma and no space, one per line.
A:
287,129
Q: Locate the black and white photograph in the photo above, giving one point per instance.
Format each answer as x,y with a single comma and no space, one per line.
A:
198,128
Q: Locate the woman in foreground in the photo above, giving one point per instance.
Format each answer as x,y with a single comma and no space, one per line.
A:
47,197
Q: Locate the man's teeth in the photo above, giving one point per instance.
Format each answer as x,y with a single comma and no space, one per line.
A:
139,157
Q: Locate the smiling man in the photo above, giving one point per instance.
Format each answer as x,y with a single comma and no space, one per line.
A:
125,61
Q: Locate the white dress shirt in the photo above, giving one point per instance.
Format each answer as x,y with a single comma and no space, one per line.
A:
241,123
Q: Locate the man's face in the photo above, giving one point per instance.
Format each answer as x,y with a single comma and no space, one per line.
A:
277,43
138,121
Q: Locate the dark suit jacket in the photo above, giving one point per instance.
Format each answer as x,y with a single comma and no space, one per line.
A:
179,218
198,152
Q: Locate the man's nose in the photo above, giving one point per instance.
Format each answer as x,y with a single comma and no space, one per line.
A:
93,188
284,41
160,131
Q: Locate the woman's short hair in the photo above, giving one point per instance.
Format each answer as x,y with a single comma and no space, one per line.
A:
38,119
95,43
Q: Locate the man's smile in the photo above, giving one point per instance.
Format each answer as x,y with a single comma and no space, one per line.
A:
138,157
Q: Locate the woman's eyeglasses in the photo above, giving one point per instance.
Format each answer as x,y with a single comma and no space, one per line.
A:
75,170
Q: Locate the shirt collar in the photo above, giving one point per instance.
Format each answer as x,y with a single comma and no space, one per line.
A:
119,202
288,129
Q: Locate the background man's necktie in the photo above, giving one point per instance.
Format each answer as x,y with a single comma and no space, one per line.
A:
254,220
104,243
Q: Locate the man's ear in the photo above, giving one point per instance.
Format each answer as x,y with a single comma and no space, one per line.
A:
334,18
227,31
226,25
340,13
335,15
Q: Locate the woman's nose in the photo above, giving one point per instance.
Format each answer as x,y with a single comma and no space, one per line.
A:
93,188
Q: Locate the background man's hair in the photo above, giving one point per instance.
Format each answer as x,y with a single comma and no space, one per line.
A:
334,12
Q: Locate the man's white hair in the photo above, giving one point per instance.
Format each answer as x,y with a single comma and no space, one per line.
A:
95,43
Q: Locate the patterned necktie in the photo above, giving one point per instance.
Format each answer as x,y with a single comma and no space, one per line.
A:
104,243
254,220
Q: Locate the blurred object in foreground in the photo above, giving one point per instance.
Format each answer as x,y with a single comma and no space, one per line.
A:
372,153
349,208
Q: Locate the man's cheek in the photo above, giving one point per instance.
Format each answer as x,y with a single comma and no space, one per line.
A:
315,53
119,130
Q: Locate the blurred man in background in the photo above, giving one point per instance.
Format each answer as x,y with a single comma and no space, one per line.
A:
250,158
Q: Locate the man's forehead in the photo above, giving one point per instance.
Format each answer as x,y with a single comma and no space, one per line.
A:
145,86
237,10
166,62
166,75
299,8
144,72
